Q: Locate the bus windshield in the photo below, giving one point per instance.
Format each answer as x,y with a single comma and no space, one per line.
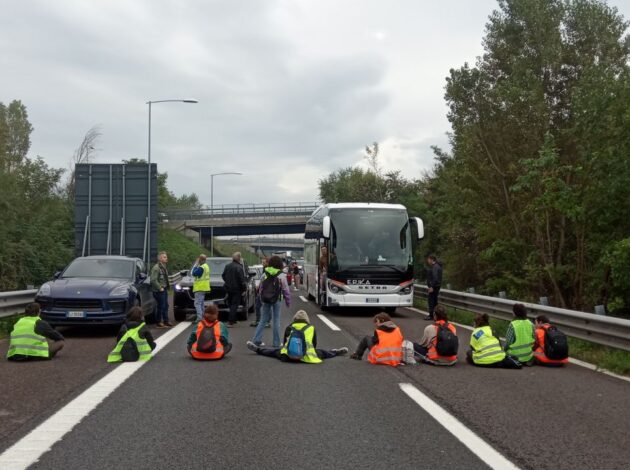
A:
369,237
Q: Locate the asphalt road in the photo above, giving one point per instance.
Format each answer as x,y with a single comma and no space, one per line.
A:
249,411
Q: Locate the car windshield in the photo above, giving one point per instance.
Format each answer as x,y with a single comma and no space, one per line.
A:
369,237
100,268
217,266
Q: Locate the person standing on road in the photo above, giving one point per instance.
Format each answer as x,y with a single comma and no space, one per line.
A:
201,284
561,350
209,339
303,332
434,282
520,337
296,275
235,285
427,350
385,345
134,341
272,290
159,286
486,350
33,338
257,302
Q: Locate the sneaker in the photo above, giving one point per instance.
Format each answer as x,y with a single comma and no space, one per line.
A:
254,323
429,318
267,325
160,325
168,325
252,346
340,351
355,356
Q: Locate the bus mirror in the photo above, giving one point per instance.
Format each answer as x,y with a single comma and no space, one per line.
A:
420,226
326,227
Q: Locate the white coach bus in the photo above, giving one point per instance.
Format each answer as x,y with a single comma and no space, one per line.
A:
360,254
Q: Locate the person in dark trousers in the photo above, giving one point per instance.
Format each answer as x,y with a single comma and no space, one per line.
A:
143,337
235,285
312,356
385,346
434,282
485,347
33,338
210,319
159,286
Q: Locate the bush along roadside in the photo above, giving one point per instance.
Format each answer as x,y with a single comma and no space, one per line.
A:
604,357
6,325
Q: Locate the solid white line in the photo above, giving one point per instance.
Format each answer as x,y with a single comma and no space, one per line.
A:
330,324
477,446
577,362
31,447
304,299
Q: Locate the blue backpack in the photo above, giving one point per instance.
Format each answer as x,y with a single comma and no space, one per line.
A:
296,344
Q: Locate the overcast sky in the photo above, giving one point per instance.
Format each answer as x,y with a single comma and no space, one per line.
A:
288,90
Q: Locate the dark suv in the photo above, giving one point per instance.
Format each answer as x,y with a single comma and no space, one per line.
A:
96,289
184,299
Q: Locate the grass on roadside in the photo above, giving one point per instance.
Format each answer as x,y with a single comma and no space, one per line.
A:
604,357
6,325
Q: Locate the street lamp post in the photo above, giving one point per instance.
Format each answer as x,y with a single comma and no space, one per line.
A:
212,206
147,237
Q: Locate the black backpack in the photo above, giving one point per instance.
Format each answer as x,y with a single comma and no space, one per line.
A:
447,344
270,290
129,351
207,341
296,343
556,344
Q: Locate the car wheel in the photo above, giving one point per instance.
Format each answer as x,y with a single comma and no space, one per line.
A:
180,314
149,317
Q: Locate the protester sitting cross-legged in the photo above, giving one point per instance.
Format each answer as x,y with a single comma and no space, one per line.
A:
300,343
134,340
439,343
273,290
33,338
486,348
385,345
519,337
551,347
209,339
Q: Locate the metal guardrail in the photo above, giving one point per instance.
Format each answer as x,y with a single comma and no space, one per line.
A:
608,331
12,303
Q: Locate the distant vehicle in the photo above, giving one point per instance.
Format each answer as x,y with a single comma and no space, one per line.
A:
257,271
370,255
184,299
97,290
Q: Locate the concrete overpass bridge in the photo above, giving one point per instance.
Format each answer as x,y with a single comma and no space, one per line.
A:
241,219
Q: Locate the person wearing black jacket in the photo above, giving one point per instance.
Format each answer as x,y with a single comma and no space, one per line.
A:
434,282
235,285
135,318
54,338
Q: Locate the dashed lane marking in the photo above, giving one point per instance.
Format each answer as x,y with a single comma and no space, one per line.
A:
477,446
31,447
330,324
572,360
304,299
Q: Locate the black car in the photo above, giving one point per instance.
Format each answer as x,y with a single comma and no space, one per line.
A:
184,299
96,289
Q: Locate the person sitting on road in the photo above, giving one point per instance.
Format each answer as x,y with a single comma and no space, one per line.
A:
519,337
33,338
209,339
300,343
559,347
385,345
486,348
439,342
134,341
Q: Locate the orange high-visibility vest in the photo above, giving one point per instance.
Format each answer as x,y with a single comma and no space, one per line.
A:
218,353
539,352
389,348
432,354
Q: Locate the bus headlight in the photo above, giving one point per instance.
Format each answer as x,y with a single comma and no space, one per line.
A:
405,291
336,287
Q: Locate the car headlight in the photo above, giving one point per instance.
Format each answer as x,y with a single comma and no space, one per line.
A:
178,287
44,290
120,291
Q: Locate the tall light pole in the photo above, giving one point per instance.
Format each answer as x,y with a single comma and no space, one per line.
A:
147,235
212,206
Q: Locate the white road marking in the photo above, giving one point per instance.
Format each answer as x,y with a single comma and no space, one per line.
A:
572,360
477,446
330,324
304,299
40,440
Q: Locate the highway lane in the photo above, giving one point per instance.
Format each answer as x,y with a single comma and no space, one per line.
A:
249,411
538,417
